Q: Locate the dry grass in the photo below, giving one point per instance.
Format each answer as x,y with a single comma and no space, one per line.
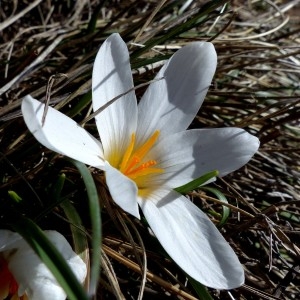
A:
256,87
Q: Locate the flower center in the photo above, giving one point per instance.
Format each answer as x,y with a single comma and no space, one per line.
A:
8,284
133,164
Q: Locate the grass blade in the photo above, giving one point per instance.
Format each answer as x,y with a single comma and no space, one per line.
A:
197,182
95,221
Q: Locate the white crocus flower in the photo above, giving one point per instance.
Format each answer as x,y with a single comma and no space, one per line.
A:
24,276
146,152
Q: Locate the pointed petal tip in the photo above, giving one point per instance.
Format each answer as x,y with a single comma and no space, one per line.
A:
114,37
61,134
186,75
27,98
203,53
255,143
232,281
112,79
192,240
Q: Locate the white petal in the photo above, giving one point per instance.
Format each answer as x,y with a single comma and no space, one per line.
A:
8,239
74,261
192,240
187,155
170,104
33,276
112,77
122,189
61,134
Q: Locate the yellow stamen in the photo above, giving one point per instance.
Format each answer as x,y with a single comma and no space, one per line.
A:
142,171
132,164
127,153
144,149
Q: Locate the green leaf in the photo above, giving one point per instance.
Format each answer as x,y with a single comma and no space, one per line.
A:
221,197
292,217
197,182
94,208
51,257
84,101
195,21
200,289
93,21
57,188
77,229
14,196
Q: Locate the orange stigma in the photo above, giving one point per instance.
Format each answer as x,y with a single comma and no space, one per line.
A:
132,164
8,284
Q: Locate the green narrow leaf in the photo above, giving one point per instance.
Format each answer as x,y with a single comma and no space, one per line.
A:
285,214
225,209
77,229
14,196
93,21
95,221
51,257
197,182
200,289
138,63
84,101
57,187
196,20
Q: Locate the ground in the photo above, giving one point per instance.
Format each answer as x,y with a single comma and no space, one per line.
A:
47,50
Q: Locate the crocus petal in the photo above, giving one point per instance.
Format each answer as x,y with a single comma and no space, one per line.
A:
195,152
122,189
170,104
61,134
111,78
73,260
8,239
33,277
192,240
